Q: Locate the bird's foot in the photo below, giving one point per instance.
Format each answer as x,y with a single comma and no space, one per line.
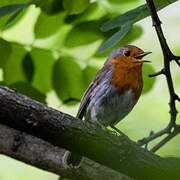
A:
101,126
118,131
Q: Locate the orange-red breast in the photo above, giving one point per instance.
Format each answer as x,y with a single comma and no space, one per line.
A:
115,89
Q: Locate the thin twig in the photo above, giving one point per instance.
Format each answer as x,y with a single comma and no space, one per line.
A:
176,58
178,63
177,97
153,136
168,57
158,73
166,139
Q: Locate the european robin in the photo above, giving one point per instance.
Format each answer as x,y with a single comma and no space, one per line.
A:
115,89
113,92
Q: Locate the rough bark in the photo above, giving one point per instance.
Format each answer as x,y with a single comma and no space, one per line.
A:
116,152
44,155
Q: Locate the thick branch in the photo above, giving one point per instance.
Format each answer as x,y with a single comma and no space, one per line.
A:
116,152
41,154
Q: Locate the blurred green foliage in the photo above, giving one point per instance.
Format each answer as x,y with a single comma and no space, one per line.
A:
58,60
5,51
50,6
13,70
37,67
147,86
53,22
75,6
68,79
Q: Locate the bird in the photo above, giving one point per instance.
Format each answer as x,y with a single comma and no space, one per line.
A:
115,89
113,92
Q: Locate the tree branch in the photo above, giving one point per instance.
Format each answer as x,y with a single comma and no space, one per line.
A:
44,155
116,152
168,57
166,139
162,71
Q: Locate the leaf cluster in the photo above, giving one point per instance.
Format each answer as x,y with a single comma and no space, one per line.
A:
69,27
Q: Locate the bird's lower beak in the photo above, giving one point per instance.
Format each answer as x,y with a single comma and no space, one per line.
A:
145,61
142,55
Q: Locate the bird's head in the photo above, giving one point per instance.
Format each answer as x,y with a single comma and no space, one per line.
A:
127,69
128,54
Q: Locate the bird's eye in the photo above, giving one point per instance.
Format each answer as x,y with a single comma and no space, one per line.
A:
127,53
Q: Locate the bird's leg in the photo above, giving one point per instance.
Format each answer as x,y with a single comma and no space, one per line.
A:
117,130
102,126
99,125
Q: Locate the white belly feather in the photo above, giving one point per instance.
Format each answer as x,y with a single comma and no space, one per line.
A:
107,106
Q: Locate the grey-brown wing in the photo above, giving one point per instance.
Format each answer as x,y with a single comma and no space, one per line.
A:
87,95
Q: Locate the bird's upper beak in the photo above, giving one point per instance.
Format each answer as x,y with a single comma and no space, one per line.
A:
140,56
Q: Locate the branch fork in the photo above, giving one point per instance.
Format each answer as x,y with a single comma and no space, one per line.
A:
172,129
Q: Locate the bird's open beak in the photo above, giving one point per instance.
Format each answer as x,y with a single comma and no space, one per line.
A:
140,56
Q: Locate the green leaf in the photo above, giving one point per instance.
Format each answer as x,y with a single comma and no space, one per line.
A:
28,67
148,82
126,18
134,33
48,25
116,37
71,102
13,71
5,52
13,17
133,15
83,33
75,6
121,1
49,6
89,73
4,11
6,14
43,61
94,12
68,79
28,90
